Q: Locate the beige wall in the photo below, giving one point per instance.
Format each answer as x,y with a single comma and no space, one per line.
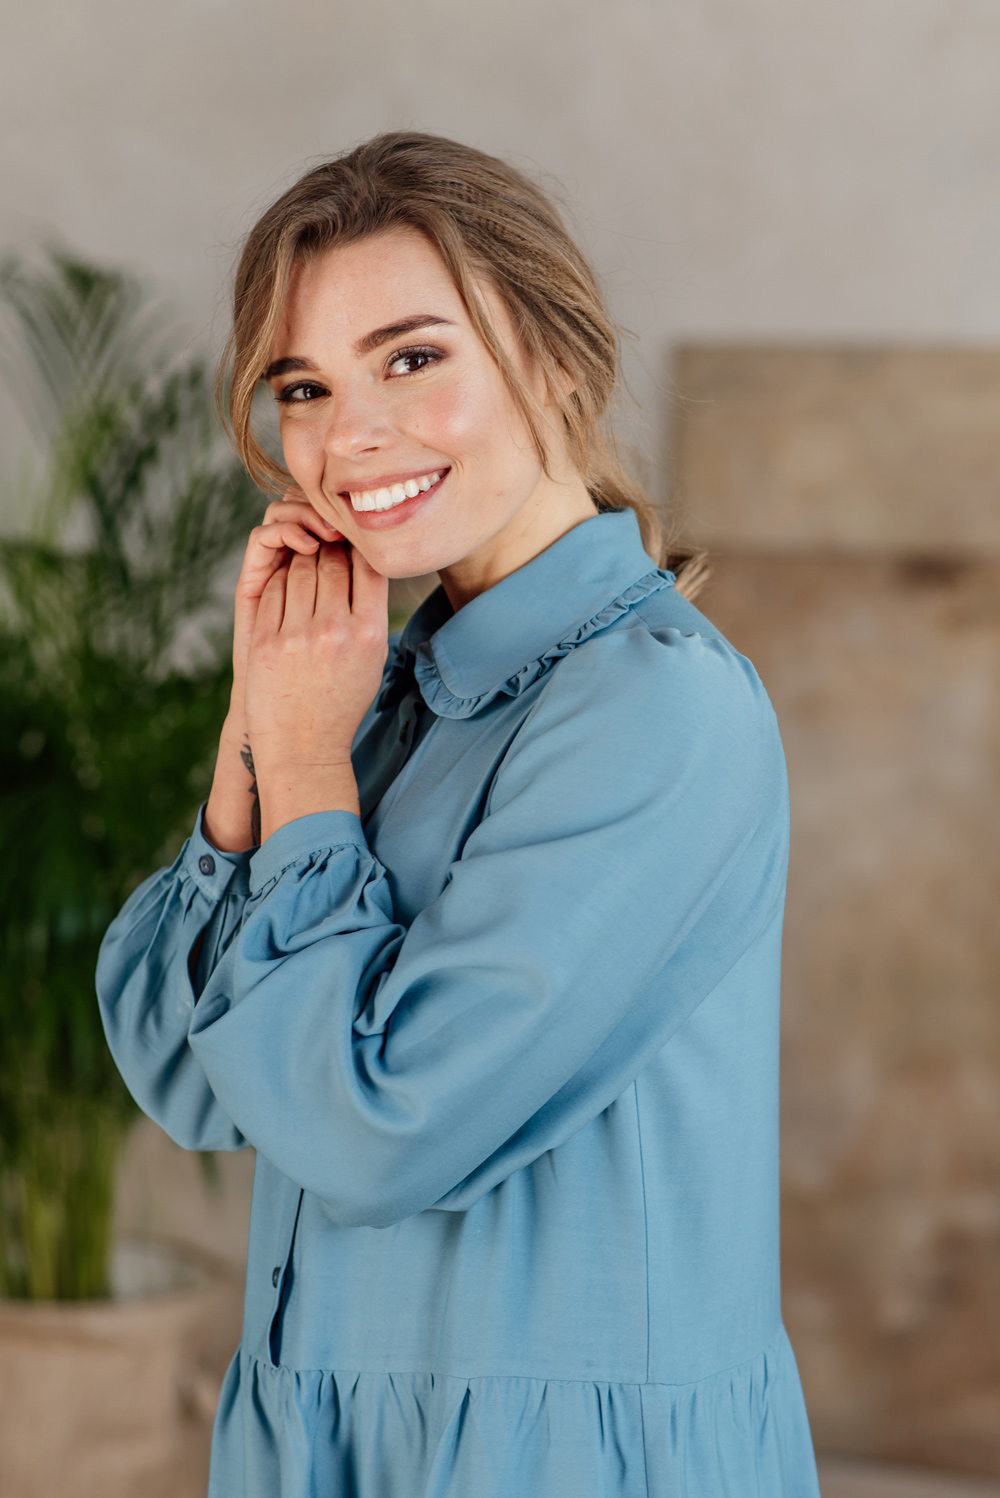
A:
851,498
884,677
740,168
881,451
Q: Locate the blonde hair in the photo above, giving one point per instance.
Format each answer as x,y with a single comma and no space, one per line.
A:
486,220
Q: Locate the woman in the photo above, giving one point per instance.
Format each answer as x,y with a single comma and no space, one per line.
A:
495,998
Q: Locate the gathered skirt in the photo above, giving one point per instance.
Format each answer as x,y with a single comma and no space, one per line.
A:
288,1433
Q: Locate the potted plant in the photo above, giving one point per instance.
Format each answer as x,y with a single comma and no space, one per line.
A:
114,679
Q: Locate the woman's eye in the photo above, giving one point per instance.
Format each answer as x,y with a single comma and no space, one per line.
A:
411,361
299,394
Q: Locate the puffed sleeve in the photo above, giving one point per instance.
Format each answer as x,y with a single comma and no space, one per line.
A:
147,991
633,849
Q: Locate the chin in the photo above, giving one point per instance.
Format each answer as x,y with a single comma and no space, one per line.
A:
400,556
403,560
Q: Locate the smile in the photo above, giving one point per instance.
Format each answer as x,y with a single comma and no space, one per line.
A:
394,494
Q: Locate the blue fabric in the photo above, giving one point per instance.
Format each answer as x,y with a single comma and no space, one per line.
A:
506,1047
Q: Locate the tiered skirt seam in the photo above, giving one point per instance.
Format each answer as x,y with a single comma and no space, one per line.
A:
470,1378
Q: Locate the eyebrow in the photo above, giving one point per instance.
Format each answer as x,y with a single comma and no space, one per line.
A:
365,345
287,366
392,330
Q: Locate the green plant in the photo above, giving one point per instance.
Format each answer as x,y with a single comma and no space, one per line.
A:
114,680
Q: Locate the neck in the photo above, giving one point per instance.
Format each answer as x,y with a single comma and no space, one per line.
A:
554,508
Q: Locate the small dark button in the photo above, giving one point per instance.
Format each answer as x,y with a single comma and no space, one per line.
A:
276,1276
206,863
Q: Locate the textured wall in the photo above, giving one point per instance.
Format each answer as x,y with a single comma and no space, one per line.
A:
841,449
884,670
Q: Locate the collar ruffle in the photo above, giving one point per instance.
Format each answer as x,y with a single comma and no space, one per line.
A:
422,665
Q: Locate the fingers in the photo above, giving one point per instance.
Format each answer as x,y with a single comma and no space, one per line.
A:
288,525
369,591
271,609
335,588
295,509
333,584
278,534
292,531
270,543
300,591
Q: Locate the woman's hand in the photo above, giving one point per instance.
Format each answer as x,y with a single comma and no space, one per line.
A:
315,663
290,526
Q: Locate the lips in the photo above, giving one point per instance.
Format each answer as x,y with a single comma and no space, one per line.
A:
387,496
391,499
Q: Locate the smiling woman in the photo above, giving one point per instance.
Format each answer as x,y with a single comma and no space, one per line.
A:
368,405
477,937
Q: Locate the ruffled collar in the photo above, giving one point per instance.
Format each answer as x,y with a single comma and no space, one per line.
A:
504,640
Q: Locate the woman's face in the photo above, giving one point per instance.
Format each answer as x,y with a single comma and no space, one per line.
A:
396,422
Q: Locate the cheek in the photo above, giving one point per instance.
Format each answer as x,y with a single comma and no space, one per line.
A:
302,446
466,420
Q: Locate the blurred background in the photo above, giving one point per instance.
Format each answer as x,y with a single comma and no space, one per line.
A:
795,210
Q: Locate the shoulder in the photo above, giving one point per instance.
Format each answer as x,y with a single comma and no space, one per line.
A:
659,700
661,666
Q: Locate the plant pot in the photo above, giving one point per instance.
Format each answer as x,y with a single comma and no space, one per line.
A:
115,1398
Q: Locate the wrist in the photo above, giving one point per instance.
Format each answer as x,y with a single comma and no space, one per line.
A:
235,723
231,819
290,791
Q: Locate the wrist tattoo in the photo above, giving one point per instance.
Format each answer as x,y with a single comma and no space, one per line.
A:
247,758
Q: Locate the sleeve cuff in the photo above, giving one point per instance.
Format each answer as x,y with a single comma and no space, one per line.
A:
294,842
210,869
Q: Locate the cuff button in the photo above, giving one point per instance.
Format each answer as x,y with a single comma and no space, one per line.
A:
206,863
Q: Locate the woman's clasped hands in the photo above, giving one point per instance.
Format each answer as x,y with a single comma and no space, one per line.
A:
309,647
314,665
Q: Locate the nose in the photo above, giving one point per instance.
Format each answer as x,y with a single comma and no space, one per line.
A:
357,424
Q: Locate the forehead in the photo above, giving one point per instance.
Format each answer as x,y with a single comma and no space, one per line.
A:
343,293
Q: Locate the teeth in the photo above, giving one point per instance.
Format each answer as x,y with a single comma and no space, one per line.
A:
386,499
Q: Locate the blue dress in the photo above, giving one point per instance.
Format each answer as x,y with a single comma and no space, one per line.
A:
507,1049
